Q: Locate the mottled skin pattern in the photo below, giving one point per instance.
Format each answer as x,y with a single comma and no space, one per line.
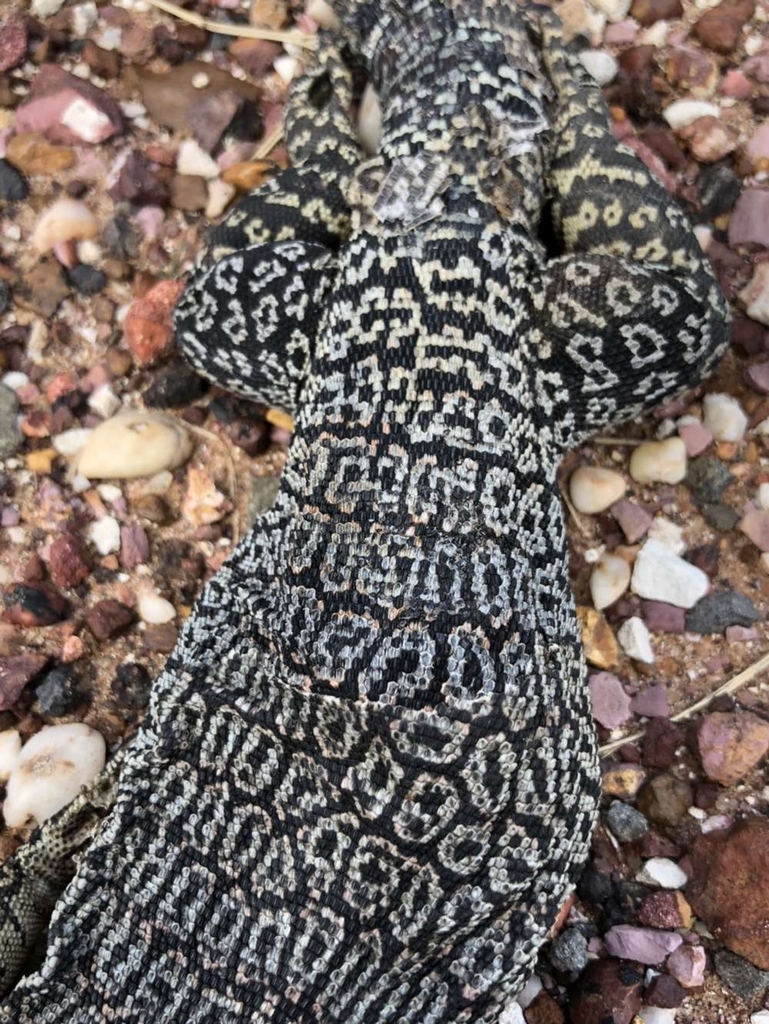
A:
367,778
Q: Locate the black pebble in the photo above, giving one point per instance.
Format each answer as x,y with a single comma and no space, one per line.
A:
131,686
58,693
176,384
13,186
86,279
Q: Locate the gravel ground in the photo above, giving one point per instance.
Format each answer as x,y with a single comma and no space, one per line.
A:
124,132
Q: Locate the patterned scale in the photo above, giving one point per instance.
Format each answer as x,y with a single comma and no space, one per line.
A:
367,778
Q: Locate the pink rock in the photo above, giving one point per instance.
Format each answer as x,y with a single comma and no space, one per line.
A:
68,109
10,516
621,33
27,394
740,634
634,521
735,85
696,437
661,617
749,222
730,744
758,147
757,68
150,220
13,40
611,705
687,965
90,167
758,377
755,525
96,378
646,945
134,546
651,702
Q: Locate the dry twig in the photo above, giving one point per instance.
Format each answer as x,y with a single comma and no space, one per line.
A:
293,37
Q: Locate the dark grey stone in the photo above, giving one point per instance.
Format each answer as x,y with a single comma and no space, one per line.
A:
717,611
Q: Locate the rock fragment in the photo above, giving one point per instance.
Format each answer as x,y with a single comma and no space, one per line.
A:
134,444
730,744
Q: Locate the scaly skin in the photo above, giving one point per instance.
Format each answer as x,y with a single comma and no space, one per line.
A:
367,778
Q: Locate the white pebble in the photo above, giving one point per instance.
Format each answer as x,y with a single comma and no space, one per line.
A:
154,609
104,534
512,1014
669,534
655,35
663,872
286,68
45,8
755,294
760,1017
134,444
322,12
84,16
609,581
762,496
593,489
530,991
370,120
657,1015
52,767
635,641
704,235
615,10
191,159
659,575
109,492
70,442
104,401
200,80
15,379
724,418
220,194
600,65
659,462
10,745
84,119
684,112
64,220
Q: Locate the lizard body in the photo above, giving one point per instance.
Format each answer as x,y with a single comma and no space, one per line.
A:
367,778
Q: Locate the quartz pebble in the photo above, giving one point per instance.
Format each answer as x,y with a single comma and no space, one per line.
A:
609,580
104,534
724,417
656,1015
659,461
600,65
323,14
154,609
64,220
50,770
593,489
634,638
134,444
663,872
684,112
192,159
659,575
10,745
755,295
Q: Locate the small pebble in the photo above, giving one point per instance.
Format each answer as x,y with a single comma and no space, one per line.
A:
370,121
134,444
13,187
739,974
687,965
131,685
663,872
610,703
755,295
659,461
714,612
59,693
634,638
724,417
50,770
600,65
593,489
104,401
684,112
627,824
193,160
104,534
609,580
730,744
646,945
659,575
154,609
64,220
568,952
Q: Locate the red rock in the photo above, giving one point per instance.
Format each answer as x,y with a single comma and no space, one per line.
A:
651,702
134,546
687,965
633,520
104,63
665,910
730,744
608,990
148,329
161,638
611,705
13,40
140,181
735,85
648,11
728,889
720,28
661,740
65,108
662,617
665,991
108,618
543,1009
37,605
16,672
68,561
